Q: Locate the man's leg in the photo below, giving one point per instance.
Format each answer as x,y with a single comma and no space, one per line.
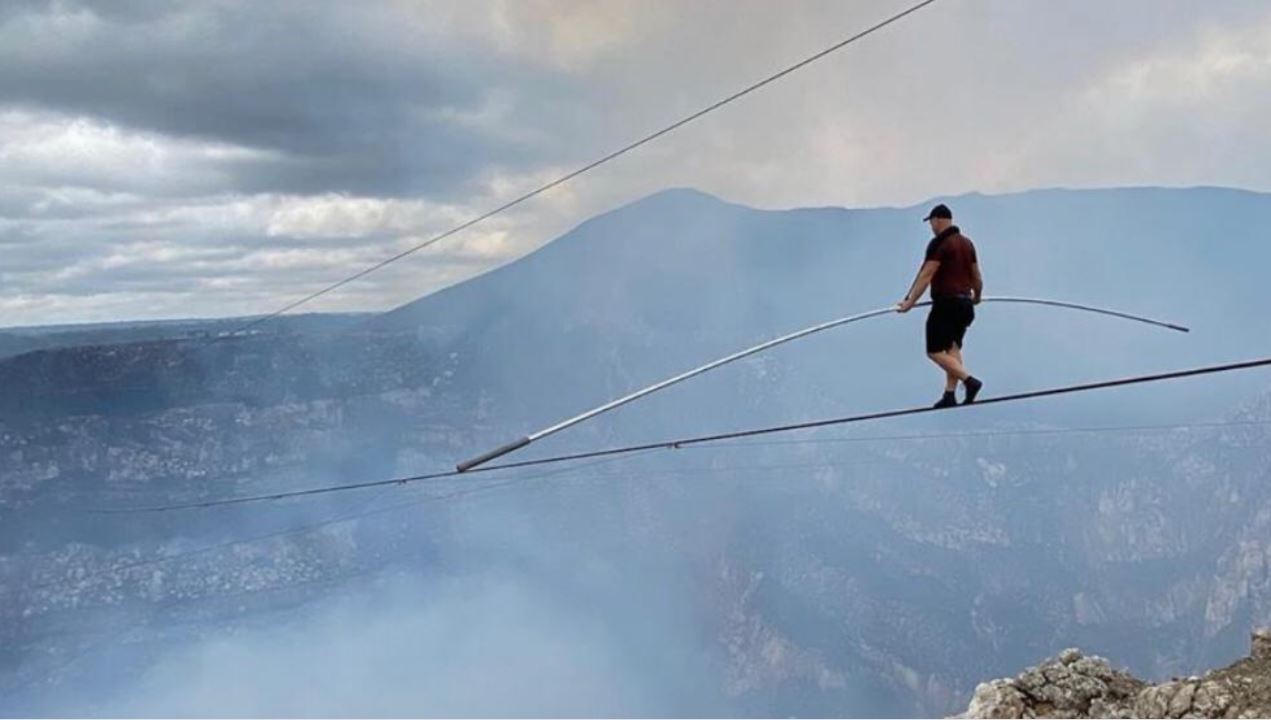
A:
940,340
951,363
950,380
956,352
972,384
951,369
969,381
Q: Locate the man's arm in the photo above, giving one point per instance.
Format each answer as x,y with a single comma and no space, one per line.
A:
921,282
979,283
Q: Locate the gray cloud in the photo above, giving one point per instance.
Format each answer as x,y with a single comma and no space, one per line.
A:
341,97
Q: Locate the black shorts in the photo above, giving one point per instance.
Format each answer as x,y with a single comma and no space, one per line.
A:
947,323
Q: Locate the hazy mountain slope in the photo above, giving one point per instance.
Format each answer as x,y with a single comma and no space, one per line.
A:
881,577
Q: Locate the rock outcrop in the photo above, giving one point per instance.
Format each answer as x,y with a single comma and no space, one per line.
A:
1073,685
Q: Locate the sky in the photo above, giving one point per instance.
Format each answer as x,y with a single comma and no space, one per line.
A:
219,158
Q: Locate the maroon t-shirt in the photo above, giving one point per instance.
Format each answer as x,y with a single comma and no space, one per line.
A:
956,255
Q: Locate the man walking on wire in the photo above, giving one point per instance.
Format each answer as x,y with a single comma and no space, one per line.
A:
953,272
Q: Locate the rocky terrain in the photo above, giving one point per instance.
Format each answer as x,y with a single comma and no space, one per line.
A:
1074,685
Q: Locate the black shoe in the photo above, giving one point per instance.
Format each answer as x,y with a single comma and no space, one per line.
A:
973,387
949,400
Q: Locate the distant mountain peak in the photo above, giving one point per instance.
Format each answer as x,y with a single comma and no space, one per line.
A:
677,194
673,199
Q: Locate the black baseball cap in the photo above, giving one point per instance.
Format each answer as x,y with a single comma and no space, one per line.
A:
939,211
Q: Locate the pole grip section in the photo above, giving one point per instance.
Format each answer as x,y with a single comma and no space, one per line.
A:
467,465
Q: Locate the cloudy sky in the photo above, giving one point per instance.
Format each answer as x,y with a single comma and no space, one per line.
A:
168,159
